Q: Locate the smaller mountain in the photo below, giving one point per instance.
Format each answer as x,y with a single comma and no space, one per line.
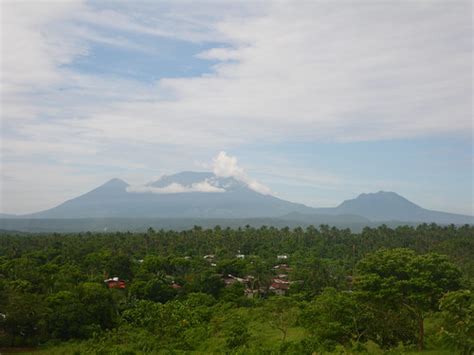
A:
389,206
380,206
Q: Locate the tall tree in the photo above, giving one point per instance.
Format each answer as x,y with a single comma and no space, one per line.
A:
398,278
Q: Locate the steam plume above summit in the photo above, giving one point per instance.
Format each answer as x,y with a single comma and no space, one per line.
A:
226,166
226,172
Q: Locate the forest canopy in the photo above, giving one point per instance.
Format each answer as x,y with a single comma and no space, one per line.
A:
239,290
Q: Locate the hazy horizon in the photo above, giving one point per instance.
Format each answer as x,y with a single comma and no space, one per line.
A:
223,168
312,102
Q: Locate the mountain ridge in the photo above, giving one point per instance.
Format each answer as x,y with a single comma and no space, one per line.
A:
204,195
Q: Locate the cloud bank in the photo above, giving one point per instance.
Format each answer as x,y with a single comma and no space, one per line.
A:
224,166
280,72
316,71
175,188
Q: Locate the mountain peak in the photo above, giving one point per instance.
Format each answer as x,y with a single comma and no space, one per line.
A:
381,195
381,205
115,182
388,197
110,187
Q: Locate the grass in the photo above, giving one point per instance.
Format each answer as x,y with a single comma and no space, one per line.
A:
262,336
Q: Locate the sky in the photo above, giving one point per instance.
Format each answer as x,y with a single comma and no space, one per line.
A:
310,101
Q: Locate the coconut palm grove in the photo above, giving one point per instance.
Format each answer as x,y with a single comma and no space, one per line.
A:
239,291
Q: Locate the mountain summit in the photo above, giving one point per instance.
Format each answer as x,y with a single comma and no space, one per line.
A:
380,206
206,195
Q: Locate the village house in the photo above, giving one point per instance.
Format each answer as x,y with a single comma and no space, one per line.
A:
280,283
239,255
248,281
279,288
175,286
282,257
115,282
231,279
282,268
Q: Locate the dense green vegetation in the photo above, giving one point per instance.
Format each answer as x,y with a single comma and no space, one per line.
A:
381,290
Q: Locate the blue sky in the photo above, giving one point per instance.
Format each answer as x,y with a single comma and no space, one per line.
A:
318,101
155,59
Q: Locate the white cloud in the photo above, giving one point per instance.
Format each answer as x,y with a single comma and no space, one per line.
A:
258,187
316,71
223,166
226,166
175,188
32,48
205,186
312,72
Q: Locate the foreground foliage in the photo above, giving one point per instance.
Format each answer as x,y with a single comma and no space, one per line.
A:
381,290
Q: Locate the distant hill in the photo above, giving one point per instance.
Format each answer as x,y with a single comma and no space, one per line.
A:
389,206
205,198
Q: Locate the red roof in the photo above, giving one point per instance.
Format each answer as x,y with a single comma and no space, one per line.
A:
116,283
279,286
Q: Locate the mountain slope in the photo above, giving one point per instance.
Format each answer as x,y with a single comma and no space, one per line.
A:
317,219
6,215
117,199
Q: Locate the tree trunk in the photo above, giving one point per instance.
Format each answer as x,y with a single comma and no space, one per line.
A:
421,334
